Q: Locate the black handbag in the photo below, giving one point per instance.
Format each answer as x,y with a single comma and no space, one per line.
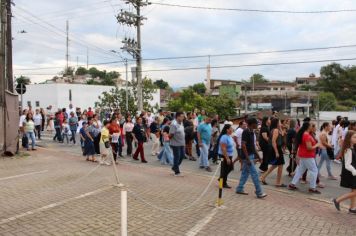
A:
107,144
330,152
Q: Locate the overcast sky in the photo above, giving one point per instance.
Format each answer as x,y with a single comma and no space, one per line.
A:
172,31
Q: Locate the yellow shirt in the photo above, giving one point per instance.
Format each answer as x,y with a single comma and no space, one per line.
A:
104,135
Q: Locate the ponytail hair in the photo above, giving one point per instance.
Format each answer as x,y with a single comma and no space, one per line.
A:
299,137
324,125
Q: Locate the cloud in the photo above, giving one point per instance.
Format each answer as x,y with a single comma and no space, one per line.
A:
171,31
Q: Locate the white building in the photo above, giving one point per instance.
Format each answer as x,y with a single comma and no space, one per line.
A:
57,95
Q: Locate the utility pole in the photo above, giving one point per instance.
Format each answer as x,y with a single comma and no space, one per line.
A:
127,84
3,82
245,99
87,58
9,73
77,62
318,110
308,104
67,45
208,77
130,45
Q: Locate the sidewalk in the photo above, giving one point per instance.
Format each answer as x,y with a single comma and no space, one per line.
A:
55,202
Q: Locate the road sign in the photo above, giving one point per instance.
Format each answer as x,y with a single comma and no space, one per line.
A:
21,88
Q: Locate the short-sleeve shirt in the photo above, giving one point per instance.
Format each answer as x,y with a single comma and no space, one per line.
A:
303,152
104,135
262,141
205,133
73,121
238,135
226,139
248,138
177,130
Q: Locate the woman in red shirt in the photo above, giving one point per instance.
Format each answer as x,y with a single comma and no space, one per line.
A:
306,145
114,130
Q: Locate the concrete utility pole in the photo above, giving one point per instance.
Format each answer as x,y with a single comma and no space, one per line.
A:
130,45
127,84
87,58
3,83
308,104
67,46
246,107
9,73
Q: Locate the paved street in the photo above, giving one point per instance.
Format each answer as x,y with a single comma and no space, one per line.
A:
55,192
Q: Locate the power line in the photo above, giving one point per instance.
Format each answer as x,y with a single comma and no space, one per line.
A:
236,66
255,10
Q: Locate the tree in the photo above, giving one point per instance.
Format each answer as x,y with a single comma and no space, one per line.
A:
199,88
23,80
161,84
257,79
116,98
81,71
327,101
94,73
69,71
223,106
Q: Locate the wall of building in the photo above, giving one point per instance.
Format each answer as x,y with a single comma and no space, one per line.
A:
57,95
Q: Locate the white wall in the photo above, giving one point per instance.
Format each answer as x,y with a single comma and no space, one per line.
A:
57,95
331,115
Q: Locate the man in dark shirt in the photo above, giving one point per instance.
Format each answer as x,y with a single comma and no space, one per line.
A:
139,136
249,153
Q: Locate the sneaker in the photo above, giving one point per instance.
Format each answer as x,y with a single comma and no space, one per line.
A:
178,175
337,161
336,204
292,187
144,161
108,163
208,169
227,186
201,167
352,211
242,193
263,195
314,190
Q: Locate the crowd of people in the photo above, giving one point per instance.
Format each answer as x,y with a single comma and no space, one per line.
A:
105,135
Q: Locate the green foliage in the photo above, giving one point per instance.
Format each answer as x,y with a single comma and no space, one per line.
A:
106,78
339,80
68,71
189,100
199,88
81,71
258,78
116,98
327,101
23,80
161,84
94,73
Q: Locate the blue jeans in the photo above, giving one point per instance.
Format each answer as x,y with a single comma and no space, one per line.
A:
166,156
73,136
246,171
306,164
204,155
31,135
325,157
178,155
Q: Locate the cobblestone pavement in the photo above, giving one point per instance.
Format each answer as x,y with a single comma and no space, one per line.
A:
55,192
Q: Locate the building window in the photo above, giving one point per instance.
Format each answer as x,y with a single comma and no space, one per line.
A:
29,103
37,103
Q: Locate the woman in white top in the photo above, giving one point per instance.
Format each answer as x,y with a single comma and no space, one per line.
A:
127,131
348,173
29,127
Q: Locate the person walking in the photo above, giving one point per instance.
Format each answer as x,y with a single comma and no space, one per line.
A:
65,131
88,141
277,155
73,126
155,135
177,142
238,137
166,156
96,131
249,156
29,127
139,135
189,136
105,151
204,138
214,145
43,121
325,149
348,173
306,146
114,131
264,141
290,143
38,123
226,152
127,129
57,126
